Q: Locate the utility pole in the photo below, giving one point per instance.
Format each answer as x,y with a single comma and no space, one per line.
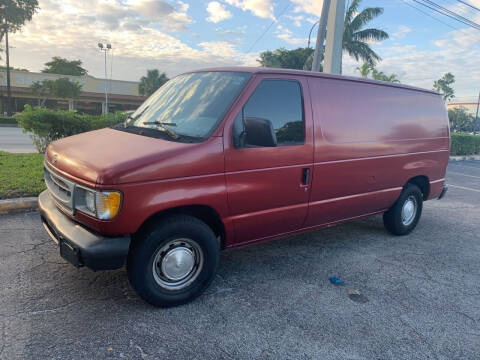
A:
322,30
333,49
9,90
7,54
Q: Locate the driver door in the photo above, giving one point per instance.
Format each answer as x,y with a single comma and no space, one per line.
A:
269,186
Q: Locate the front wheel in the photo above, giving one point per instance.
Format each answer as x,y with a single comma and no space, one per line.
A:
173,262
403,216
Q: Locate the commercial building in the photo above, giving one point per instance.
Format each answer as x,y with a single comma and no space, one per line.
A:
470,107
122,95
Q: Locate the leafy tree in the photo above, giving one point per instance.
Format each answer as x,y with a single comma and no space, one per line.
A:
15,13
355,38
66,88
461,120
63,66
300,58
60,88
150,83
444,86
41,89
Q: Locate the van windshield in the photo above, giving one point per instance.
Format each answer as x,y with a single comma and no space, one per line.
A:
189,106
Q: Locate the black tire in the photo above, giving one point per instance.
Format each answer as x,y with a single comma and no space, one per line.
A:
393,220
149,281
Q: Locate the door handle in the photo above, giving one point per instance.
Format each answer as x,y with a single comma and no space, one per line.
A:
306,176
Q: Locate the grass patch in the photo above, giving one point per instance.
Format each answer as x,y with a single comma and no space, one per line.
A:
21,175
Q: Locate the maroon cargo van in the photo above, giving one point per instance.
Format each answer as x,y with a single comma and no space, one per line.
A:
225,157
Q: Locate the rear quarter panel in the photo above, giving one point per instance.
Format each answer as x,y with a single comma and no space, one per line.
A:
370,139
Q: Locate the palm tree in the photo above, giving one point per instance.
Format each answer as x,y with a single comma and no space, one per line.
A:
150,83
355,38
365,70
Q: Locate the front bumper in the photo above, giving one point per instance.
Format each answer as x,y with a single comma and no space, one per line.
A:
79,245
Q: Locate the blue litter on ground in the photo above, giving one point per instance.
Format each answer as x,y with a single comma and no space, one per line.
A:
335,280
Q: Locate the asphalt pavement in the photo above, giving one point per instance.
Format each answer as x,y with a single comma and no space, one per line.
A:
12,139
420,295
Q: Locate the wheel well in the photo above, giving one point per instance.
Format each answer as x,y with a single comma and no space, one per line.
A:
202,212
423,183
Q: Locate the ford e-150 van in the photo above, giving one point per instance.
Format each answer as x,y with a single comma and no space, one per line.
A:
225,157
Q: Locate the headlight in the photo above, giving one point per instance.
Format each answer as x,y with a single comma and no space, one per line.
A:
103,205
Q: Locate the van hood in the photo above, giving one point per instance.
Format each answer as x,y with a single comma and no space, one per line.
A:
110,156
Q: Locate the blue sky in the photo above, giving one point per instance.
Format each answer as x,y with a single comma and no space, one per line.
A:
177,36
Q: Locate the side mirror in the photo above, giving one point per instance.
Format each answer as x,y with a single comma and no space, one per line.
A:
259,132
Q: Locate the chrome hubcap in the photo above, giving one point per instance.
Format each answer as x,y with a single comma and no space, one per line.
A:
177,264
409,210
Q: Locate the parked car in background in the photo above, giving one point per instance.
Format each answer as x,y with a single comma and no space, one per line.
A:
226,157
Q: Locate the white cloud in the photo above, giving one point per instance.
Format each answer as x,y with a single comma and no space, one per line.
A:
297,20
457,52
308,6
217,12
140,33
286,35
400,32
260,8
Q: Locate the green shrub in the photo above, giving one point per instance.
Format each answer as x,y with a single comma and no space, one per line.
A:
465,144
7,120
47,125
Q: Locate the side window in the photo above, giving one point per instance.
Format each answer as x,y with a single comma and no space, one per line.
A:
273,116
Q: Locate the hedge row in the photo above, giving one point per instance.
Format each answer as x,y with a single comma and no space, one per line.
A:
464,144
48,125
7,120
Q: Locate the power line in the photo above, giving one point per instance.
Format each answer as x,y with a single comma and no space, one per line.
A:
430,15
452,13
268,28
437,8
470,5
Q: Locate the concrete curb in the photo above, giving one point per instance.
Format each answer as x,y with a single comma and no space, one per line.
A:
464,157
11,206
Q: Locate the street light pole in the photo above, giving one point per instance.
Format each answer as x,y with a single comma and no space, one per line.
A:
105,49
106,90
310,33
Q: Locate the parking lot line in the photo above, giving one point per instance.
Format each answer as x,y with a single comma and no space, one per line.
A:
463,188
457,173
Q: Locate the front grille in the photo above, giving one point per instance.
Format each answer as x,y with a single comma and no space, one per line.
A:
60,188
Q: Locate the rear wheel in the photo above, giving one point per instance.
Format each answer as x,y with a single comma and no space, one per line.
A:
173,262
403,216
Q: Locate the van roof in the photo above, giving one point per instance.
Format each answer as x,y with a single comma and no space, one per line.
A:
266,70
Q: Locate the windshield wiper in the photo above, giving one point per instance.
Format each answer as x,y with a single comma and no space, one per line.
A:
160,123
133,118
164,127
